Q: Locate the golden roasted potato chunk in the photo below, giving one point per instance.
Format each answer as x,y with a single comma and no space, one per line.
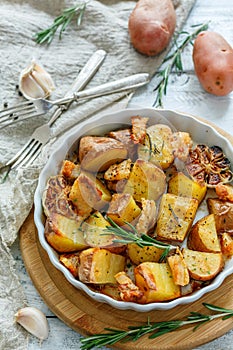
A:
97,153
70,170
71,262
224,192
181,145
124,136
156,146
118,171
183,186
139,255
146,181
179,269
147,218
223,214
99,266
94,231
64,234
138,128
226,241
117,174
203,236
201,265
128,290
156,282
175,217
88,193
123,208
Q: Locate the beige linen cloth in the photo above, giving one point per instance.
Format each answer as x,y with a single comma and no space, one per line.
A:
104,27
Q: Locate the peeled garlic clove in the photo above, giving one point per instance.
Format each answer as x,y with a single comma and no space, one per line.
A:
34,321
35,82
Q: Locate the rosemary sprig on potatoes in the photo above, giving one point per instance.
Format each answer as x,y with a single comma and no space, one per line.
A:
175,61
155,329
142,240
62,21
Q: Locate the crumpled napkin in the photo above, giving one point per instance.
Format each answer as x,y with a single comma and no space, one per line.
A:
104,27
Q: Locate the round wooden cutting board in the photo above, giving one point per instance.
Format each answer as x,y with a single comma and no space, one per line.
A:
87,316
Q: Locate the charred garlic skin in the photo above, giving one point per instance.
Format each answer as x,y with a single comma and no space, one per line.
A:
209,165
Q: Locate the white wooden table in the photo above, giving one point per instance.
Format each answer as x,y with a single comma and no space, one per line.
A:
184,94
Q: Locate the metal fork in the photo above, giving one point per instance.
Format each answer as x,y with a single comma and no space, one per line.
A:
42,106
41,135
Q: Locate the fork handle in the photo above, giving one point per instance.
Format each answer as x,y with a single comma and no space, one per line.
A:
84,76
131,82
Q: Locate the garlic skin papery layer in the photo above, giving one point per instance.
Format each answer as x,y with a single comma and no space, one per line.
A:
34,321
35,82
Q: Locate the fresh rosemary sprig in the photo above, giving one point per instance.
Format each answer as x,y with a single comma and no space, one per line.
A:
154,329
142,240
62,21
175,61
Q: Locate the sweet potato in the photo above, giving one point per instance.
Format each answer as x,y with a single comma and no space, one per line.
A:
151,26
213,63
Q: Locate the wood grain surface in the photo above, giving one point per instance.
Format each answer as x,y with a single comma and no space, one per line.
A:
87,316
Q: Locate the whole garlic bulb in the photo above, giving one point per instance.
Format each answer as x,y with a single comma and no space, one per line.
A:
34,321
35,82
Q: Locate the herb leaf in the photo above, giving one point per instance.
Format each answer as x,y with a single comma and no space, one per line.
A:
142,240
62,21
155,329
175,61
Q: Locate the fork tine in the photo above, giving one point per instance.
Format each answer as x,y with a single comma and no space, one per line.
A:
18,154
22,118
26,153
29,157
16,107
35,155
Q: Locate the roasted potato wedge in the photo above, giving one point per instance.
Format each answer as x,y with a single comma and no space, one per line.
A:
97,153
201,265
99,266
223,214
95,236
224,192
71,262
138,128
156,282
175,217
226,241
139,255
179,269
128,290
146,181
124,136
156,146
64,234
183,186
123,208
147,218
70,170
88,193
203,236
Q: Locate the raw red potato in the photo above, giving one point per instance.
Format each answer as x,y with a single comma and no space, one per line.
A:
151,26
213,63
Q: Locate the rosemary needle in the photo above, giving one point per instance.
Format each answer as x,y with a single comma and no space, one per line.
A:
142,240
62,21
155,329
175,61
